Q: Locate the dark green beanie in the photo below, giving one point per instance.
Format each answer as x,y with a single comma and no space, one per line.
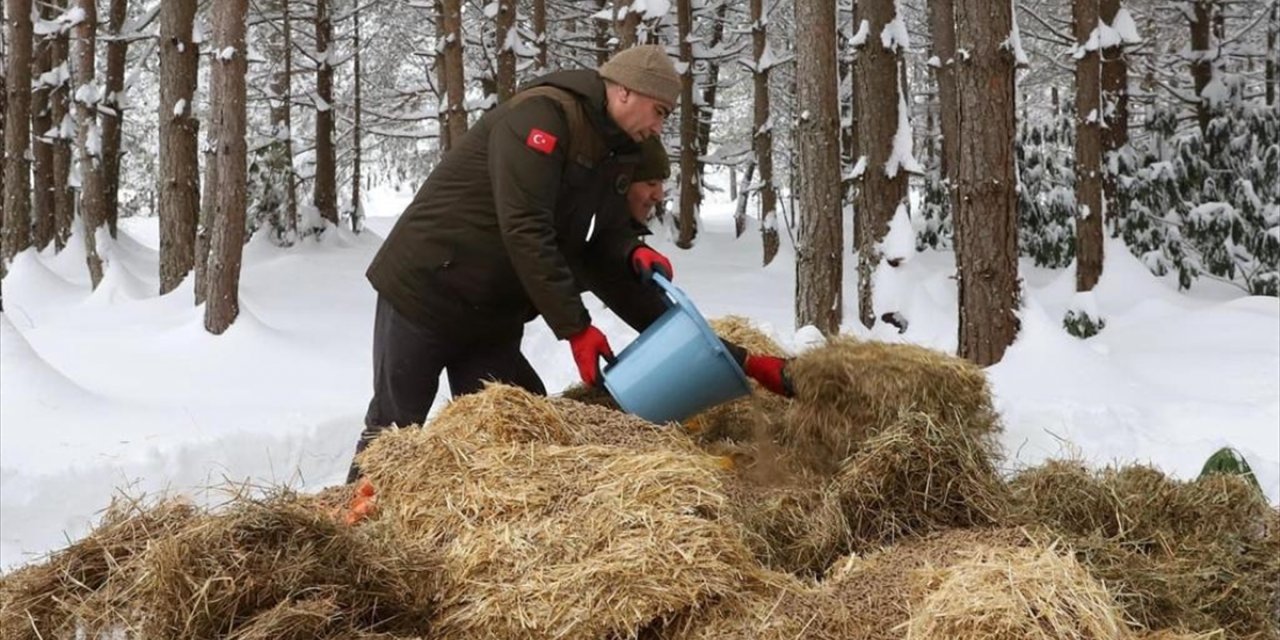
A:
654,164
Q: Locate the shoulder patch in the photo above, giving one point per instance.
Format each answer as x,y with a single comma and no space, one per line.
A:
540,140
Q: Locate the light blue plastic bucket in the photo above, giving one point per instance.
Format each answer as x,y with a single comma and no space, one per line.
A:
677,367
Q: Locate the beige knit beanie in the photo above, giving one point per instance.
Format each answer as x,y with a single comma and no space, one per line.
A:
645,69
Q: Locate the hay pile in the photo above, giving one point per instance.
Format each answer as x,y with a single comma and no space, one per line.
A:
920,475
755,418
555,525
1003,593
1198,556
274,567
848,390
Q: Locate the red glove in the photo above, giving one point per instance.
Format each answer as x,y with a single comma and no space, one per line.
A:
589,345
771,373
646,261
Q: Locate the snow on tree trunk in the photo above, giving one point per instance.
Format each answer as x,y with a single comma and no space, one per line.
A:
986,213
179,179
42,188
325,196
711,87
454,72
17,133
505,22
1089,207
741,194
227,241
819,243
209,193
93,209
879,95
602,34
113,115
626,24
762,136
690,184
1115,101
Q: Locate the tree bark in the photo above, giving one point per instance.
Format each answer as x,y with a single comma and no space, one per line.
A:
4,108
44,225
442,79
1273,29
741,195
942,26
1115,101
325,196
1088,166
179,180
282,120
602,34
17,132
93,210
986,216
884,185
227,240
505,22
762,133
455,79
1201,65
690,185
357,209
819,242
113,115
540,34
706,112
209,194
64,207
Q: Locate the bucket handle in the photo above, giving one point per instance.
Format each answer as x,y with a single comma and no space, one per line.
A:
667,288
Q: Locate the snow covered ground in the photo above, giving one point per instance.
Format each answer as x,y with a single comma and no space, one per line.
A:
122,390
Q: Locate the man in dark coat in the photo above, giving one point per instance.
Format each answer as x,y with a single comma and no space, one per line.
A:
513,223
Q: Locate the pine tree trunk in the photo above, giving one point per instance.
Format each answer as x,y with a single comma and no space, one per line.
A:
878,94
540,34
4,158
209,193
711,88
762,133
113,115
942,26
325,197
178,160
1089,205
227,241
690,185
741,195
17,133
455,78
42,145
819,242
505,22
1201,65
357,209
441,80
282,121
1115,101
626,25
986,214
602,34
63,197
93,209
1273,30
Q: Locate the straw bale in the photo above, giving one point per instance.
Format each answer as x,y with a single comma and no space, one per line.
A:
1174,634
918,476
598,396
291,620
1016,594
545,540
743,332
39,600
1194,555
848,390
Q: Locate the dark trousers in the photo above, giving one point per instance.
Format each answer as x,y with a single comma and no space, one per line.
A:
408,358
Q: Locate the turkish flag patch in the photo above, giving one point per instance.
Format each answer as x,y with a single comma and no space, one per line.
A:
541,141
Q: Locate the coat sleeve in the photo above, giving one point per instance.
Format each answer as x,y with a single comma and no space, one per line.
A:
527,158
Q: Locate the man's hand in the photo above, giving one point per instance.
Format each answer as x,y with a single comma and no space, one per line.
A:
771,373
645,261
589,345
